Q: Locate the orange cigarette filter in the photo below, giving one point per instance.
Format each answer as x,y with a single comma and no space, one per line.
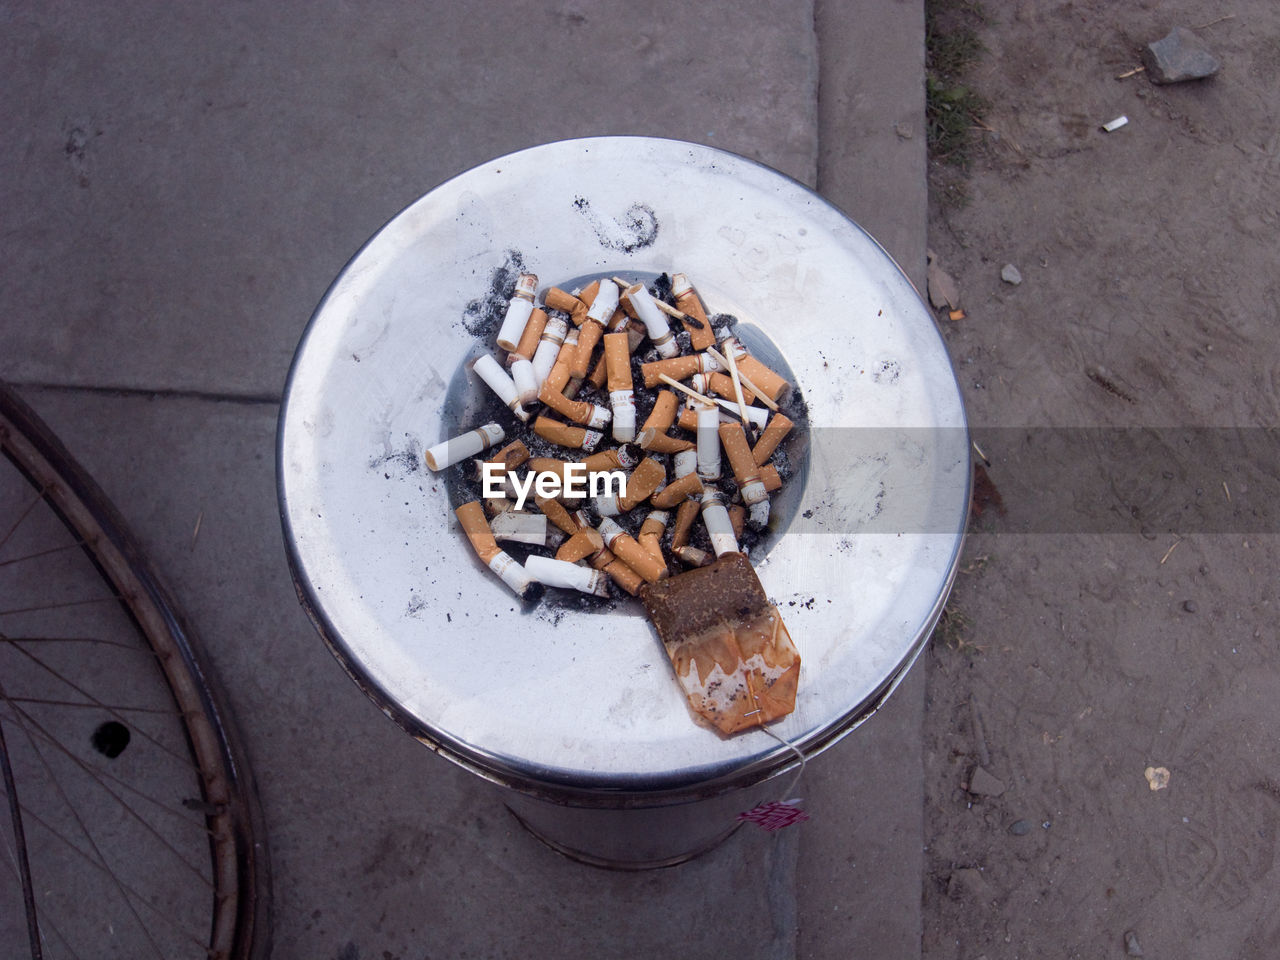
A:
579,411
737,518
558,299
677,492
764,378
686,513
598,373
618,361
635,556
588,337
651,531
603,462
585,543
643,481
779,426
476,526
688,420
688,302
734,441
557,514
565,434
511,456
532,334
622,575
721,385
661,443
769,475
548,465
663,413
677,368
588,295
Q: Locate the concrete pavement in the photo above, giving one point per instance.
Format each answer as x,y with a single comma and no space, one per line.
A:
181,183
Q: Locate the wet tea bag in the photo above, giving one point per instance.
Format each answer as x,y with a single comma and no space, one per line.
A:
731,652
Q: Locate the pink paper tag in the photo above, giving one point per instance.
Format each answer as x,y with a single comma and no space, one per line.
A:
775,814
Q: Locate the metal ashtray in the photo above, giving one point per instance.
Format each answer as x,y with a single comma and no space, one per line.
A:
579,707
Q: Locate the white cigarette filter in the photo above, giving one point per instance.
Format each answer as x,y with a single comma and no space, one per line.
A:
448,452
519,308
685,462
605,303
623,403
719,526
756,416
561,573
526,381
758,515
544,358
491,372
709,443
520,527
654,320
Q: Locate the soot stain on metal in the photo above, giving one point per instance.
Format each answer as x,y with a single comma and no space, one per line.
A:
483,316
637,229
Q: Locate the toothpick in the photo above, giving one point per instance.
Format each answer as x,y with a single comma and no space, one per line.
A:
1226,490
196,532
737,390
1169,551
1229,16
760,394
1133,72
707,401
978,450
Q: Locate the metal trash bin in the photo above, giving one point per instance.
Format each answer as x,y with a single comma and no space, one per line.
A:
575,714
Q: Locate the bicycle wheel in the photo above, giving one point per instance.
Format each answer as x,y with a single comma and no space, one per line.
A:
133,827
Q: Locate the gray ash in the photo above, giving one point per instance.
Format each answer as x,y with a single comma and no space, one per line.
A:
482,317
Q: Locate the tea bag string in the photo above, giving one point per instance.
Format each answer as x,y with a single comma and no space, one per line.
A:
799,772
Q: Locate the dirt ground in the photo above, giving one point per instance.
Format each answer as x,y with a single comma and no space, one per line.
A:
1134,626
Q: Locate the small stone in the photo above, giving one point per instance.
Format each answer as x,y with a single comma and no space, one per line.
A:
983,784
1131,946
1179,56
1009,274
1020,828
903,130
1190,606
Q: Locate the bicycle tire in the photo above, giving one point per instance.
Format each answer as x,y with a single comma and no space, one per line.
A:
240,926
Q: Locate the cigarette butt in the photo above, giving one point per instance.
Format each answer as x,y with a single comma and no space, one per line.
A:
677,368
655,322
618,322
770,477
520,527
631,553
653,442
567,435
651,531
719,526
588,294
476,527
743,379
677,491
702,399
684,463
737,518
734,441
559,573
528,344
643,481
773,434
689,303
549,344
569,348
558,299
583,544
618,361
526,381
598,373
708,443
774,386
490,371
1112,125
448,452
579,411
716,384
604,302
686,513
588,338
511,456
956,314
623,575
519,310
693,557
557,514
688,419
663,413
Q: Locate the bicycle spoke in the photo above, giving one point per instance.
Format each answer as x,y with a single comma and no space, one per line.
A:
94,700
97,776
106,643
96,706
74,545
26,511
57,606
19,839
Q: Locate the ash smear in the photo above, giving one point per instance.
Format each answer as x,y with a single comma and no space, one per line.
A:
1106,384
417,604
483,316
397,463
637,229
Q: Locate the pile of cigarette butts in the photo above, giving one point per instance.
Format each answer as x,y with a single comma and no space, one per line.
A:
586,339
